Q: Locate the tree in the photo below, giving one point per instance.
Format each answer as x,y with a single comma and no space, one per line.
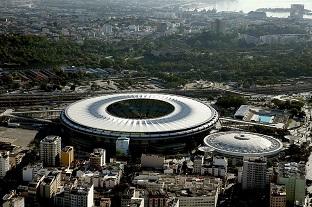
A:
231,101
106,63
73,87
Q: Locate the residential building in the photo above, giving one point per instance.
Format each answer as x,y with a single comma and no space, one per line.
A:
82,196
104,202
296,11
197,164
190,190
74,195
13,200
98,158
107,177
292,175
218,26
134,28
50,184
132,197
217,167
157,198
30,171
277,195
197,198
50,150
254,173
107,29
67,156
152,161
4,163
149,181
16,159
162,27
33,190
136,202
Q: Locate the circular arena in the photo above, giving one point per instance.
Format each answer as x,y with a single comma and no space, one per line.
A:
240,144
153,122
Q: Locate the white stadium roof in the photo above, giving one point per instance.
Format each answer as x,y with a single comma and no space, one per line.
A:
91,115
236,143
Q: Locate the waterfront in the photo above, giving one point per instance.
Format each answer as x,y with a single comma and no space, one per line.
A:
250,5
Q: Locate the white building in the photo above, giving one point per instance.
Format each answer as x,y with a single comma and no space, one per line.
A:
152,161
98,157
205,195
100,180
107,29
220,161
198,201
149,181
50,184
73,196
132,197
217,168
282,38
197,164
122,145
254,173
107,177
134,28
13,200
50,150
65,32
31,171
82,196
4,163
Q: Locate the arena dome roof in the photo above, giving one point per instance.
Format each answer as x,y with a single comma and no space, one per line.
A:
236,143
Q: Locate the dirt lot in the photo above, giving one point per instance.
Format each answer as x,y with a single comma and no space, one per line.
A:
16,136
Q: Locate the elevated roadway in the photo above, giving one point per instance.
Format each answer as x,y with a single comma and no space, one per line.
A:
11,100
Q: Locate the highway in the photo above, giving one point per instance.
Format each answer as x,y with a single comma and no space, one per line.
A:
43,98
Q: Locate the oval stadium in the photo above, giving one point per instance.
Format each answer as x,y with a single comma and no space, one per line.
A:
157,123
240,144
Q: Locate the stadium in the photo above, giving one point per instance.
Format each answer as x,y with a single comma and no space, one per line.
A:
237,144
153,122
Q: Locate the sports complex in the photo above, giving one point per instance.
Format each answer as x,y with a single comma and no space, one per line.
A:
153,122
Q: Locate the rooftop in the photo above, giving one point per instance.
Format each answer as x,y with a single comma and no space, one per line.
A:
237,143
67,148
96,113
278,190
291,169
50,139
81,190
4,154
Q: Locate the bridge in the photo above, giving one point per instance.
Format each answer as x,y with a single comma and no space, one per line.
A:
230,121
44,114
43,98
35,117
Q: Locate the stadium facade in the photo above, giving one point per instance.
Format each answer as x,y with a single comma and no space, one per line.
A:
154,123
